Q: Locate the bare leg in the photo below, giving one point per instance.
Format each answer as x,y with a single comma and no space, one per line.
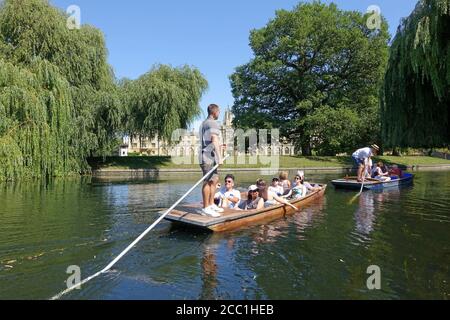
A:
213,189
206,193
360,172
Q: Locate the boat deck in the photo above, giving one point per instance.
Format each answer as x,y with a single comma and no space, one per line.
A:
232,219
190,214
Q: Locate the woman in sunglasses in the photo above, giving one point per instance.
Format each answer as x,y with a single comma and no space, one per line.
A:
254,201
299,190
228,196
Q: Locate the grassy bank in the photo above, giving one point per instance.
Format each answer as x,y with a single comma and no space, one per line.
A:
134,163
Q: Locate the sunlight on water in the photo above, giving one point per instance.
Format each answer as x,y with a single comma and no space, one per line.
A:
321,252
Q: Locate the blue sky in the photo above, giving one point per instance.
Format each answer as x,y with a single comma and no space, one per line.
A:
208,34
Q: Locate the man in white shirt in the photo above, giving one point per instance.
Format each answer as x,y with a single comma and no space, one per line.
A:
361,158
228,196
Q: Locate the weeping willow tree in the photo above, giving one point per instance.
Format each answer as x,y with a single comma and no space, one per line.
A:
58,100
416,101
162,100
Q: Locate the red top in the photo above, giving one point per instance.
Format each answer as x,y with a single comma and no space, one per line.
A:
396,172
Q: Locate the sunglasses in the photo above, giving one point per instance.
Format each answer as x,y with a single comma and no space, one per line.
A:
229,181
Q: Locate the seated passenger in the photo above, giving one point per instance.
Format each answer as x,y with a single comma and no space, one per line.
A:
227,196
276,187
308,186
299,190
270,198
396,172
379,174
284,182
254,201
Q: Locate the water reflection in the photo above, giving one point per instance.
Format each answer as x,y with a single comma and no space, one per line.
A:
370,205
311,215
209,270
83,223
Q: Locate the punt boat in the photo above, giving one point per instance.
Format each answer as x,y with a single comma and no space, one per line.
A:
352,183
234,219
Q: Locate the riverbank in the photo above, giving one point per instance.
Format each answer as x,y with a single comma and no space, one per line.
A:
151,165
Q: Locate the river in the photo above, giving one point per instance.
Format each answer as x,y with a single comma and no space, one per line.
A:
322,252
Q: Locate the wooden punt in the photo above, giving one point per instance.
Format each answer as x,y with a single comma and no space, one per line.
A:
352,183
235,219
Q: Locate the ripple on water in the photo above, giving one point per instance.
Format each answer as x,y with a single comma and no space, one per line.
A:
320,252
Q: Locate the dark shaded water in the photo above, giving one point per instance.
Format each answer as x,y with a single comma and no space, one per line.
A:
323,252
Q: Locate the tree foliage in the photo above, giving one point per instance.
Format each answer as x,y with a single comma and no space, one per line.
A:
311,59
58,100
416,104
162,100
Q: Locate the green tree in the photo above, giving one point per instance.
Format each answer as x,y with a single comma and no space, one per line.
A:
162,100
315,57
415,111
58,98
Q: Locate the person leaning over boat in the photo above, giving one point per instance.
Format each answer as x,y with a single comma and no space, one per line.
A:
209,158
270,198
369,166
254,201
361,158
228,196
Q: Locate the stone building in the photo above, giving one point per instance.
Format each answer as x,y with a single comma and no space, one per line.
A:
189,144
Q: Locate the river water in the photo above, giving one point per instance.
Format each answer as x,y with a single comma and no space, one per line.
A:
322,252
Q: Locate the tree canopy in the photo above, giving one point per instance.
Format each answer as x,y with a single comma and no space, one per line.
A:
60,102
416,106
310,64
162,100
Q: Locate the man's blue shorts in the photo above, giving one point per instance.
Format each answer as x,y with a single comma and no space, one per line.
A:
359,162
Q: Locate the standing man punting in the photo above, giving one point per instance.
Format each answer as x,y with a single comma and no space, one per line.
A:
210,156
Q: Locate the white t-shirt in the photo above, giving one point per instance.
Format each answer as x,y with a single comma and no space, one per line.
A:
277,190
363,153
223,193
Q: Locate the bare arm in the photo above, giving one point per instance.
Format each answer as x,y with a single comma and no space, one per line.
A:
260,204
284,201
287,195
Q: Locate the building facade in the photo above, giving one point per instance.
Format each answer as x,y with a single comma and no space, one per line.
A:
189,144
